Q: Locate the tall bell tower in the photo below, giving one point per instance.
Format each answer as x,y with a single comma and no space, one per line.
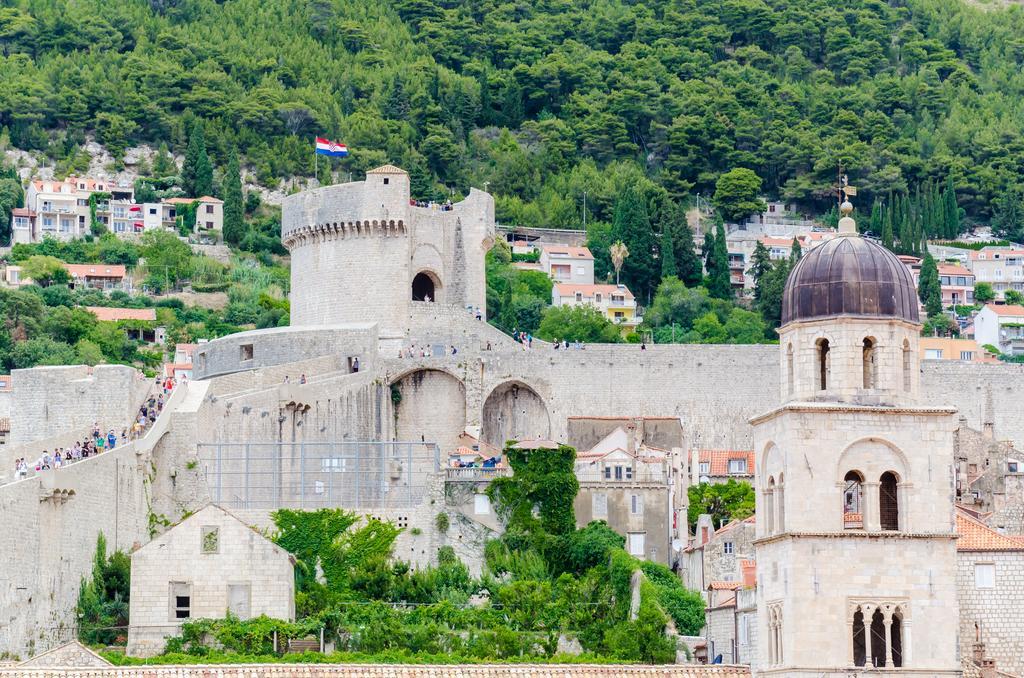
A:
856,552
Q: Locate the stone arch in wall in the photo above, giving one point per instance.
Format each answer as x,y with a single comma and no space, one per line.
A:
514,411
426,286
429,405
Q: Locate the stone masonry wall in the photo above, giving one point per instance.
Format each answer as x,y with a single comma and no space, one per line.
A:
999,610
52,400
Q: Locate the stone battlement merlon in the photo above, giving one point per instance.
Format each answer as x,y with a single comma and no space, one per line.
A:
325,232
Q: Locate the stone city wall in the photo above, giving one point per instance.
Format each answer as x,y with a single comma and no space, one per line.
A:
50,401
50,527
998,611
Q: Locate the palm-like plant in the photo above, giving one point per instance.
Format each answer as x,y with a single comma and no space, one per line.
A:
618,252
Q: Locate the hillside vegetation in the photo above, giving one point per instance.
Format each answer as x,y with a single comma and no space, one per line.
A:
542,100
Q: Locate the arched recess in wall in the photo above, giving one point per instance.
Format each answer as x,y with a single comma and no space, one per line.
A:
514,411
429,405
426,286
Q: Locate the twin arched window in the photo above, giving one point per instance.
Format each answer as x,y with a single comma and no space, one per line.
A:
877,636
854,507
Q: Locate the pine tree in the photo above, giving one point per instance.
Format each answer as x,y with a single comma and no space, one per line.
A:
760,265
719,278
197,172
163,163
929,290
951,212
234,210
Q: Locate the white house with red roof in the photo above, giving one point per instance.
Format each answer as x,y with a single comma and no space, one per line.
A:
615,302
209,212
61,210
568,264
1001,326
1001,267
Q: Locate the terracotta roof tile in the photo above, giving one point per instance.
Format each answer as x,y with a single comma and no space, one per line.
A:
96,270
1006,309
724,585
976,536
719,461
110,314
568,251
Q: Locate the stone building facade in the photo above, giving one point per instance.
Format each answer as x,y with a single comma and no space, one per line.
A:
208,565
990,569
856,554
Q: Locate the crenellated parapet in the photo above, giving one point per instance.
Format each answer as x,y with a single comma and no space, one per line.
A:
308,234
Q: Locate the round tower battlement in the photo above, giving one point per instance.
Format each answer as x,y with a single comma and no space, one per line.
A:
364,251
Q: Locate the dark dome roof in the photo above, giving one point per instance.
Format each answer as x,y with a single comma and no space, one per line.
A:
849,276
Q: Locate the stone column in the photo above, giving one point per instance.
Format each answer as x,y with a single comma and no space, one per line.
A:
905,644
869,508
849,637
887,624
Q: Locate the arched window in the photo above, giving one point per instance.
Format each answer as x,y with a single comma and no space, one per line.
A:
823,364
853,516
906,365
860,654
789,369
878,639
896,638
769,506
888,502
868,353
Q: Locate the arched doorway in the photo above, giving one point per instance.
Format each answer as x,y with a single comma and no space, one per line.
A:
425,287
430,406
514,411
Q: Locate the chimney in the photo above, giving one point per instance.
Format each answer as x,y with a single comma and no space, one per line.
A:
749,573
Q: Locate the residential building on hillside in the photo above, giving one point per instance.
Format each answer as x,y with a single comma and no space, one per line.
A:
98,276
731,618
989,477
630,487
990,568
947,348
1000,326
1001,267
615,302
716,554
567,264
60,209
158,215
209,212
144,329
719,466
205,567
956,281
13,276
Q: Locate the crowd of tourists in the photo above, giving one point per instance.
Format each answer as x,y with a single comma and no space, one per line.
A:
100,438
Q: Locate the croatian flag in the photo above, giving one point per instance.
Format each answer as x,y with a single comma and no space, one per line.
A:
332,148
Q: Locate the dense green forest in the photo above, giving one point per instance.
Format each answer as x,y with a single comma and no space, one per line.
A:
542,100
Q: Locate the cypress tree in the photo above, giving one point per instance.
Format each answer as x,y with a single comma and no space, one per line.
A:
876,219
760,266
632,226
951,211
887,235
668,254
795,253
197,172
929,289
234,211
688,265
719,280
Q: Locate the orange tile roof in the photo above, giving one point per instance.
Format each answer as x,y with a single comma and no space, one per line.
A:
568,251
953,269
171,368
96,270
22,212
976,536
1006,309
110,314
724,585
719,460
570,290
990,253
210,198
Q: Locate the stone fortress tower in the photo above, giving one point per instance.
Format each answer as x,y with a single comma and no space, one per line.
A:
856,551
363,251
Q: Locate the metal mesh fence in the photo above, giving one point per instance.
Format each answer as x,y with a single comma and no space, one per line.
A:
318,475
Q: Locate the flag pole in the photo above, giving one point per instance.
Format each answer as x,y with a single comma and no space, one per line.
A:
316,163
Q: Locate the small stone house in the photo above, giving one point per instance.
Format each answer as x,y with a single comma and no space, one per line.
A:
206,566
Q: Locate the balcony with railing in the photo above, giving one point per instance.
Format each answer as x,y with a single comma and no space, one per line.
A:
476,474
640,475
